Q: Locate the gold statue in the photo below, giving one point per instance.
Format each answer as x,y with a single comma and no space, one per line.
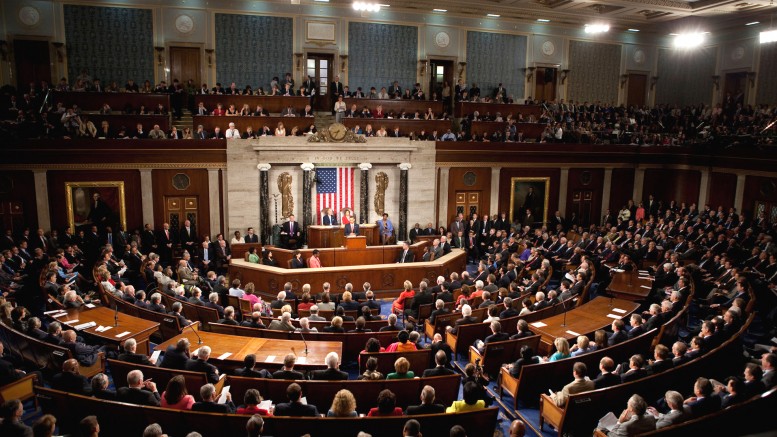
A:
381,183
287,200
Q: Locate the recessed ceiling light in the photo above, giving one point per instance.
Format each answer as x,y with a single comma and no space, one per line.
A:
440,10
543,20
672,34
752,23
768,36
597,28
493,15
689,40
321,1
633,30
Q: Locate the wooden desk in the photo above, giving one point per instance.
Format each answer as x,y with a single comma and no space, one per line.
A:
396,105
582,320
209,122
530,130
320,236
263,348
385,275
405,126
466,108
88,101
139,329
116,121
630,286
271,104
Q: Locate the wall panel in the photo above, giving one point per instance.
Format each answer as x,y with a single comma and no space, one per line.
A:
622,188
495,57
19,186
767,71
456,183
594,70
379,54
668,184
685,76
583,180
162,182
723,187
505,185
758,188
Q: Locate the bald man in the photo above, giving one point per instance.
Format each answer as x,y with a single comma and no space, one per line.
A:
517,428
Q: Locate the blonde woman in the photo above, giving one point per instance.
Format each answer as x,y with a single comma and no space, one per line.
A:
343,405
280,131
562,349
401,370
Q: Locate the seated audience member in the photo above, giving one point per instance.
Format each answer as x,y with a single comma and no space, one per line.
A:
100,388
249,369
470,400
661,360
138,391
408,293
635,370
201,364
402,345
70,380
336,326
619,334
580,384
522,330
255,321
768,364
606,377
527,357
496,336
343,405
583,346
129,355
439,309
676,414
371,373
441,369
392,324
703,401
229,317
562,349
176,356
284,324
175,395
427,404
466,319
294,407
89,427
387,405
154,430
412,428
401,369
332,372
251,401
304,326
11,412
288,372
634,419
85,354
208,404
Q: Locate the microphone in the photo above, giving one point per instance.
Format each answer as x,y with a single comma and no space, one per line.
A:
115,315
303,340
564,306
199,339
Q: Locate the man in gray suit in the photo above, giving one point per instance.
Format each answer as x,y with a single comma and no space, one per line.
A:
634,419
676,415
580,384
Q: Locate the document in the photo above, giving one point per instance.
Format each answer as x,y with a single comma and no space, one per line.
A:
608,422
125,333
614,316
539,324
155,356
70,322
269,359
90,305
620,311
223,397
224,356
265,404
573,333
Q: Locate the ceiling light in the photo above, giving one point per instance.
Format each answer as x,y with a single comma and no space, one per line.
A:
321,1
597,28
493,15
633,30
752,23
440,10
368,7
768,36
689,40
543,20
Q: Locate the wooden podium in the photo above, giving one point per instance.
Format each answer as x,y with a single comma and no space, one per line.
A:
321,237
356,242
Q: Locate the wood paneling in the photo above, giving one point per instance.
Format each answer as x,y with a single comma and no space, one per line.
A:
758,188
163,188
132,194
636,89
185,64
117,101
33,63
18,189
722,189
482,184
621,189
584,180
505,185
670,184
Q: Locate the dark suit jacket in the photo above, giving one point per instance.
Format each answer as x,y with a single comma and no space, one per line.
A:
617,337
436,313
135,358
606,380
287,374
296,409
437,371
463,321
198,365
425,409
252,373
659,366
635,332
329,375
137,396
71,383
329,220
410,257
212,407
174,359
703,406
633,376
297,230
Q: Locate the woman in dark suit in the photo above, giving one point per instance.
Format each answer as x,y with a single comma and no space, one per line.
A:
527,357
297,262
267,259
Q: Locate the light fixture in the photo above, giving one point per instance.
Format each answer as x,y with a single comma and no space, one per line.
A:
752,23
530,73
321,1
493,15
653,82
597,28
768,36
689,40
633,30
367,7
439,10
564,75
543,20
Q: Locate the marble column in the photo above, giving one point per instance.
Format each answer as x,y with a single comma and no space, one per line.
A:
704,187
403,200
42,199
494,210
147,196
307,188
562,191
264,202
442,197
739,197
606,190
225,200
639,183
214,206
364,193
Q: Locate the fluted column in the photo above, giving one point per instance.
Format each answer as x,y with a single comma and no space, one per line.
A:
264,202
364,193
307,205
403,193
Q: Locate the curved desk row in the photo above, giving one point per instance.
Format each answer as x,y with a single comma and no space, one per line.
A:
382,276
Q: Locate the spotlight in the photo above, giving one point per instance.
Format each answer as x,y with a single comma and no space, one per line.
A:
597,28
368,7
689,40
768,36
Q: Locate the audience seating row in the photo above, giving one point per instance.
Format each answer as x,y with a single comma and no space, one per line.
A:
271,104
117,101
499,352
396,105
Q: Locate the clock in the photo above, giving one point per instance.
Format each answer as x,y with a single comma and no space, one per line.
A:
337,131
184,24
29,16
548,48
442,39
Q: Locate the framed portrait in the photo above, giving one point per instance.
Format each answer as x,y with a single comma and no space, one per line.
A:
95,203
529,194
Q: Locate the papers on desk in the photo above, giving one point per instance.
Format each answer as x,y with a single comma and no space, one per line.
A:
573,333
269,359
608,422
301,360
539,324
84,326
643,272
155,356
103,328
223,397
265,404
618,270
70,322
53,312
620,311
125,333
63,313
644,286
614,316
90,305
224,356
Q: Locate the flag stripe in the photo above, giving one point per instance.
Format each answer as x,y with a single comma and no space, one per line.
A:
335,189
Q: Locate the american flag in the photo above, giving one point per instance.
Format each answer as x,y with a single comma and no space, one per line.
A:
335,189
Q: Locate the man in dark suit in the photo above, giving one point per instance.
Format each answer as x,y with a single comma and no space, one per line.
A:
440,309
332,373
249,369
129,355
288,372
148,239
392,324
619,334
606,378
188,238
635,371
85,354
427,403
209,405
70,380
439,345
294,407
466,319
637,327
251,236
662,360
291,233
405,256
423,297
138,391
441,369
177,356
165,240
176,312
703,401
12,424
201,364
335,91
329,219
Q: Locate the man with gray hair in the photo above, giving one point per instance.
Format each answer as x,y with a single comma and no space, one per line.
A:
279,302
466,319
201,364
676,414
213,302
176,312
332,372
129,355
427,403
440,309
392,324
156,304
314,317
138,391
634,419
304,326
282,324
209,397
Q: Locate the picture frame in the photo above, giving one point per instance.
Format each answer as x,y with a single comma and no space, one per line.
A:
519,189
111,211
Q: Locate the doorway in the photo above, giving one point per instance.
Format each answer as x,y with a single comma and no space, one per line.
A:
441,73
545,84
320,67
635,93
582,202
735,86
185,64
33,62
467,203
